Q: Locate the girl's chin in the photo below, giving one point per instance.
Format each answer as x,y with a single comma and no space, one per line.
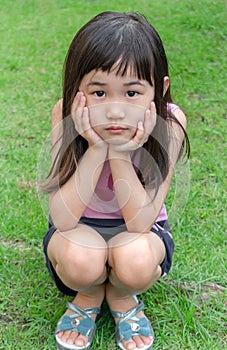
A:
116,141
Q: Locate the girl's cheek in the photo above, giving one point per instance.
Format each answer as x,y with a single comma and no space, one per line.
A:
136,116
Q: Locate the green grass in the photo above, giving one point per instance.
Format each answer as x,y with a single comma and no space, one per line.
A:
186,312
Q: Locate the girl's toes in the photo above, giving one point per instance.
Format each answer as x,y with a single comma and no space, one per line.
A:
72,338
60,334
129,345
147,340
65,336
139,342
81,340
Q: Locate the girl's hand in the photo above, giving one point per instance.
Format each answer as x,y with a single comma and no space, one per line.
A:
80,116
144,129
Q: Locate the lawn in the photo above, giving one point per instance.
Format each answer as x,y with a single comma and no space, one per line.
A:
188,308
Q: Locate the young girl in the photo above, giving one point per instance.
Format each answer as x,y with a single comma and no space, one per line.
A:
116,139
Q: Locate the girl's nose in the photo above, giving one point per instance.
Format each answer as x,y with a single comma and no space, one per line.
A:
115,112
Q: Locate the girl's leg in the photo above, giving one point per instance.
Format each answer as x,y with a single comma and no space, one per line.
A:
135,266
79,258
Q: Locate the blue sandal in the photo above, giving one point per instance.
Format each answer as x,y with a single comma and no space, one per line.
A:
139,326
85,326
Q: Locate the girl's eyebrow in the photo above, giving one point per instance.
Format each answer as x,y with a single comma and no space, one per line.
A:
96,83
134,82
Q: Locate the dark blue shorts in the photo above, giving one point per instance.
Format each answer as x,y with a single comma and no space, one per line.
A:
108,228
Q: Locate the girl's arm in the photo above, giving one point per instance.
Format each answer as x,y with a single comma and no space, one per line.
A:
69,202
137,205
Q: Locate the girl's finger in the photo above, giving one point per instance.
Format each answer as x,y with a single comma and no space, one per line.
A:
75,103
77,118
82,102
140,133
78,102
150,119
85,122
77,110
140,126
148,122
153,114
153,108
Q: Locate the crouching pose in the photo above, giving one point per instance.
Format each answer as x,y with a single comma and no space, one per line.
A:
117,136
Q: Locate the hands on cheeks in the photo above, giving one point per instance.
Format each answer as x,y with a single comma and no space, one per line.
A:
80,116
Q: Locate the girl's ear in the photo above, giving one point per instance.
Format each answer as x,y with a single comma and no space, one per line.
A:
165,84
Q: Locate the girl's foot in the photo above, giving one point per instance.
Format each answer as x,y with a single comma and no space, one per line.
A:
83,301
122,306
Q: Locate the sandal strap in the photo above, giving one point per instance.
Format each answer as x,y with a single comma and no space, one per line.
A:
139,326
123,316
85,326
83,312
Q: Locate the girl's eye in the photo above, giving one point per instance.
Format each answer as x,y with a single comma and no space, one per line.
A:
131,93
99,93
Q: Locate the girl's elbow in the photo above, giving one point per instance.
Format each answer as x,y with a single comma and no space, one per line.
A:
63,224
61,221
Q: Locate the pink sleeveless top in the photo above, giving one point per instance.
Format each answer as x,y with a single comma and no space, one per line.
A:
104,204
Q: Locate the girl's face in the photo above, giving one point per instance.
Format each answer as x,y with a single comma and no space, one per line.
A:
116,104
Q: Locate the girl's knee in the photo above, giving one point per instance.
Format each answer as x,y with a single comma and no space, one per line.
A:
136,275
79,266
135,265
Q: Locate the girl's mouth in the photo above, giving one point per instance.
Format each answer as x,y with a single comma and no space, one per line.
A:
116,129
